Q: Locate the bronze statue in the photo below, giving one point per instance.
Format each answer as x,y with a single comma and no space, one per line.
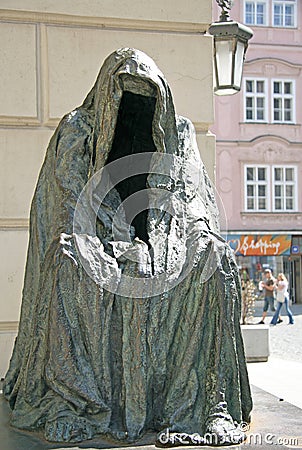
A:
131,303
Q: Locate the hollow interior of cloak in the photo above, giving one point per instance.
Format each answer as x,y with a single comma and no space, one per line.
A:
133,134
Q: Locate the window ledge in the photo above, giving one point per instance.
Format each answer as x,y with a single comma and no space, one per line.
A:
272,27
272,220
271,213
261,122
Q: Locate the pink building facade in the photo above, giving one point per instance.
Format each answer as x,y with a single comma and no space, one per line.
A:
259,144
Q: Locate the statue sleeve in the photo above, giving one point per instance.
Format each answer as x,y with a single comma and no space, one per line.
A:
72,162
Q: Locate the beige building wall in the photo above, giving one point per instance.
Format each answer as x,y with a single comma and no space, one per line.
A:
51,52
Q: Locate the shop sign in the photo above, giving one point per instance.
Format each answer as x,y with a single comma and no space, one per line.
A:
260,244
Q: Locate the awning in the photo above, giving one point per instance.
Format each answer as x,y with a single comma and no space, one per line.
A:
260,244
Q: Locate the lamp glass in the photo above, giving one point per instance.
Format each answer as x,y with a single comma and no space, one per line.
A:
229,56
224,62
239,57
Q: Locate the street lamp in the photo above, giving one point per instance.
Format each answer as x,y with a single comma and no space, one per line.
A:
230,45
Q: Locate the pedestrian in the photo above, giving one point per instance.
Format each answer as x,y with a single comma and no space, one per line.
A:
268,284
282,298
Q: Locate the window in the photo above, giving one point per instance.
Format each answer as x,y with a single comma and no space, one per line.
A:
284,188
270,188
283,100
255,12
255,101
284,13
272,102
276,13
256,188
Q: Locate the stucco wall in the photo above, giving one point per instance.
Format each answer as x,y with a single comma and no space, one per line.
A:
51,52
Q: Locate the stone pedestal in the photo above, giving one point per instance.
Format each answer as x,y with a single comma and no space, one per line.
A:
256,342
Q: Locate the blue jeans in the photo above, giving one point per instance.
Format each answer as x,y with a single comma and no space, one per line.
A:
268,301
279,306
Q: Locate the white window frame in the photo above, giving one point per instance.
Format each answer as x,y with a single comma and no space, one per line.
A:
283,97
284,183
255,2
267,183
256,95
283,3
270,184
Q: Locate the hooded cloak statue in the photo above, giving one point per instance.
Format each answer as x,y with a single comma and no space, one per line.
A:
92,358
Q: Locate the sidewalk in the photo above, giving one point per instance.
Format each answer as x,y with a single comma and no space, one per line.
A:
281,375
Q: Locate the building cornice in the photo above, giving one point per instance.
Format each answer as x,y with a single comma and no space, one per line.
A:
9,326
13,224
264,138
8,15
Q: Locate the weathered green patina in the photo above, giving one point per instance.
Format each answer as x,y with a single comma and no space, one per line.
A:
89,360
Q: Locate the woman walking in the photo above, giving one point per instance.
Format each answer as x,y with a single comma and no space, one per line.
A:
282,298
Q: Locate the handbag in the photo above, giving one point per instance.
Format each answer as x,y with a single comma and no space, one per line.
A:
280,297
